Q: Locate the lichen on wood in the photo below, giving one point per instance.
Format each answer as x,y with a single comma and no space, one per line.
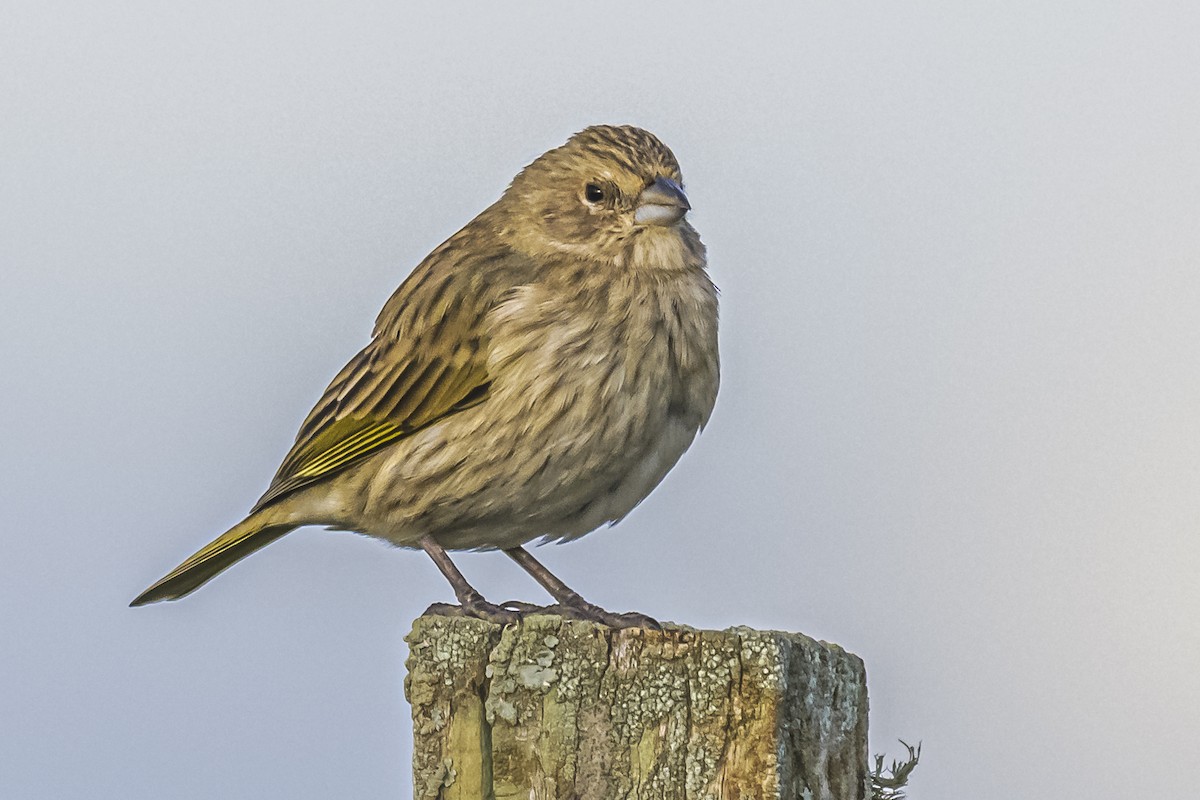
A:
551,709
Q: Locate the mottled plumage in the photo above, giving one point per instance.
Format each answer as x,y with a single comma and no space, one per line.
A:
535,376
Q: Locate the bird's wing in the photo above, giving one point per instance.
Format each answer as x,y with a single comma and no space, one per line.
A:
427,360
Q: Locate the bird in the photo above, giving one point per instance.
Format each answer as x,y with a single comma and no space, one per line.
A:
534,377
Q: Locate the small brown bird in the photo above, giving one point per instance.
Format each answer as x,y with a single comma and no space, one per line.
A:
535,376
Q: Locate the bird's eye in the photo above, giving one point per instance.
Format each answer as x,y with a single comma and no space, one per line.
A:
593,193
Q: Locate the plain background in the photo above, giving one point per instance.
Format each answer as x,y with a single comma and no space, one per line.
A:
959,429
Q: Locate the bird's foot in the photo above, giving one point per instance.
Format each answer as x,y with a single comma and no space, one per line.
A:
479,609
592,613
523,608
514,610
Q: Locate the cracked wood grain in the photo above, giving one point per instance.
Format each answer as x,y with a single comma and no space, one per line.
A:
551,709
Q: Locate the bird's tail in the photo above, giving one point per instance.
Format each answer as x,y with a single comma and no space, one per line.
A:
232,546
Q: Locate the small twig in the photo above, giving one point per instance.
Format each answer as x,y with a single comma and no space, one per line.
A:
889,784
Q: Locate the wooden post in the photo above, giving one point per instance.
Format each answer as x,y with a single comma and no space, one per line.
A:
552,709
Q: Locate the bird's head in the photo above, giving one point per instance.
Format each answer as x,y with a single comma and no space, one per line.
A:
607,194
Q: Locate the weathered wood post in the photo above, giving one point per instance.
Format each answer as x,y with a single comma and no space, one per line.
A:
552,709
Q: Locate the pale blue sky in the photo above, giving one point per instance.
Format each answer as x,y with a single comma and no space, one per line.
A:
959,430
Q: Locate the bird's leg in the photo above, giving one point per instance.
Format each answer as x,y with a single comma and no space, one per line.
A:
471,602
570,601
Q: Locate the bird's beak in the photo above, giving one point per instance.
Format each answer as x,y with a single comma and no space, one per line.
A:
661,203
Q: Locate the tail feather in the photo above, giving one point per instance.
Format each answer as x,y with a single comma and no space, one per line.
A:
230,547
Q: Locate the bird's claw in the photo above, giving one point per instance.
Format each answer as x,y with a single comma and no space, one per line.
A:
515,610
586,611
522,608
630,619
479,609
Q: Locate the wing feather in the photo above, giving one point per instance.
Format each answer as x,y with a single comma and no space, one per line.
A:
427,361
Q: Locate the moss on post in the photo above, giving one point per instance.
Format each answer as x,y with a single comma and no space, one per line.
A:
552,709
